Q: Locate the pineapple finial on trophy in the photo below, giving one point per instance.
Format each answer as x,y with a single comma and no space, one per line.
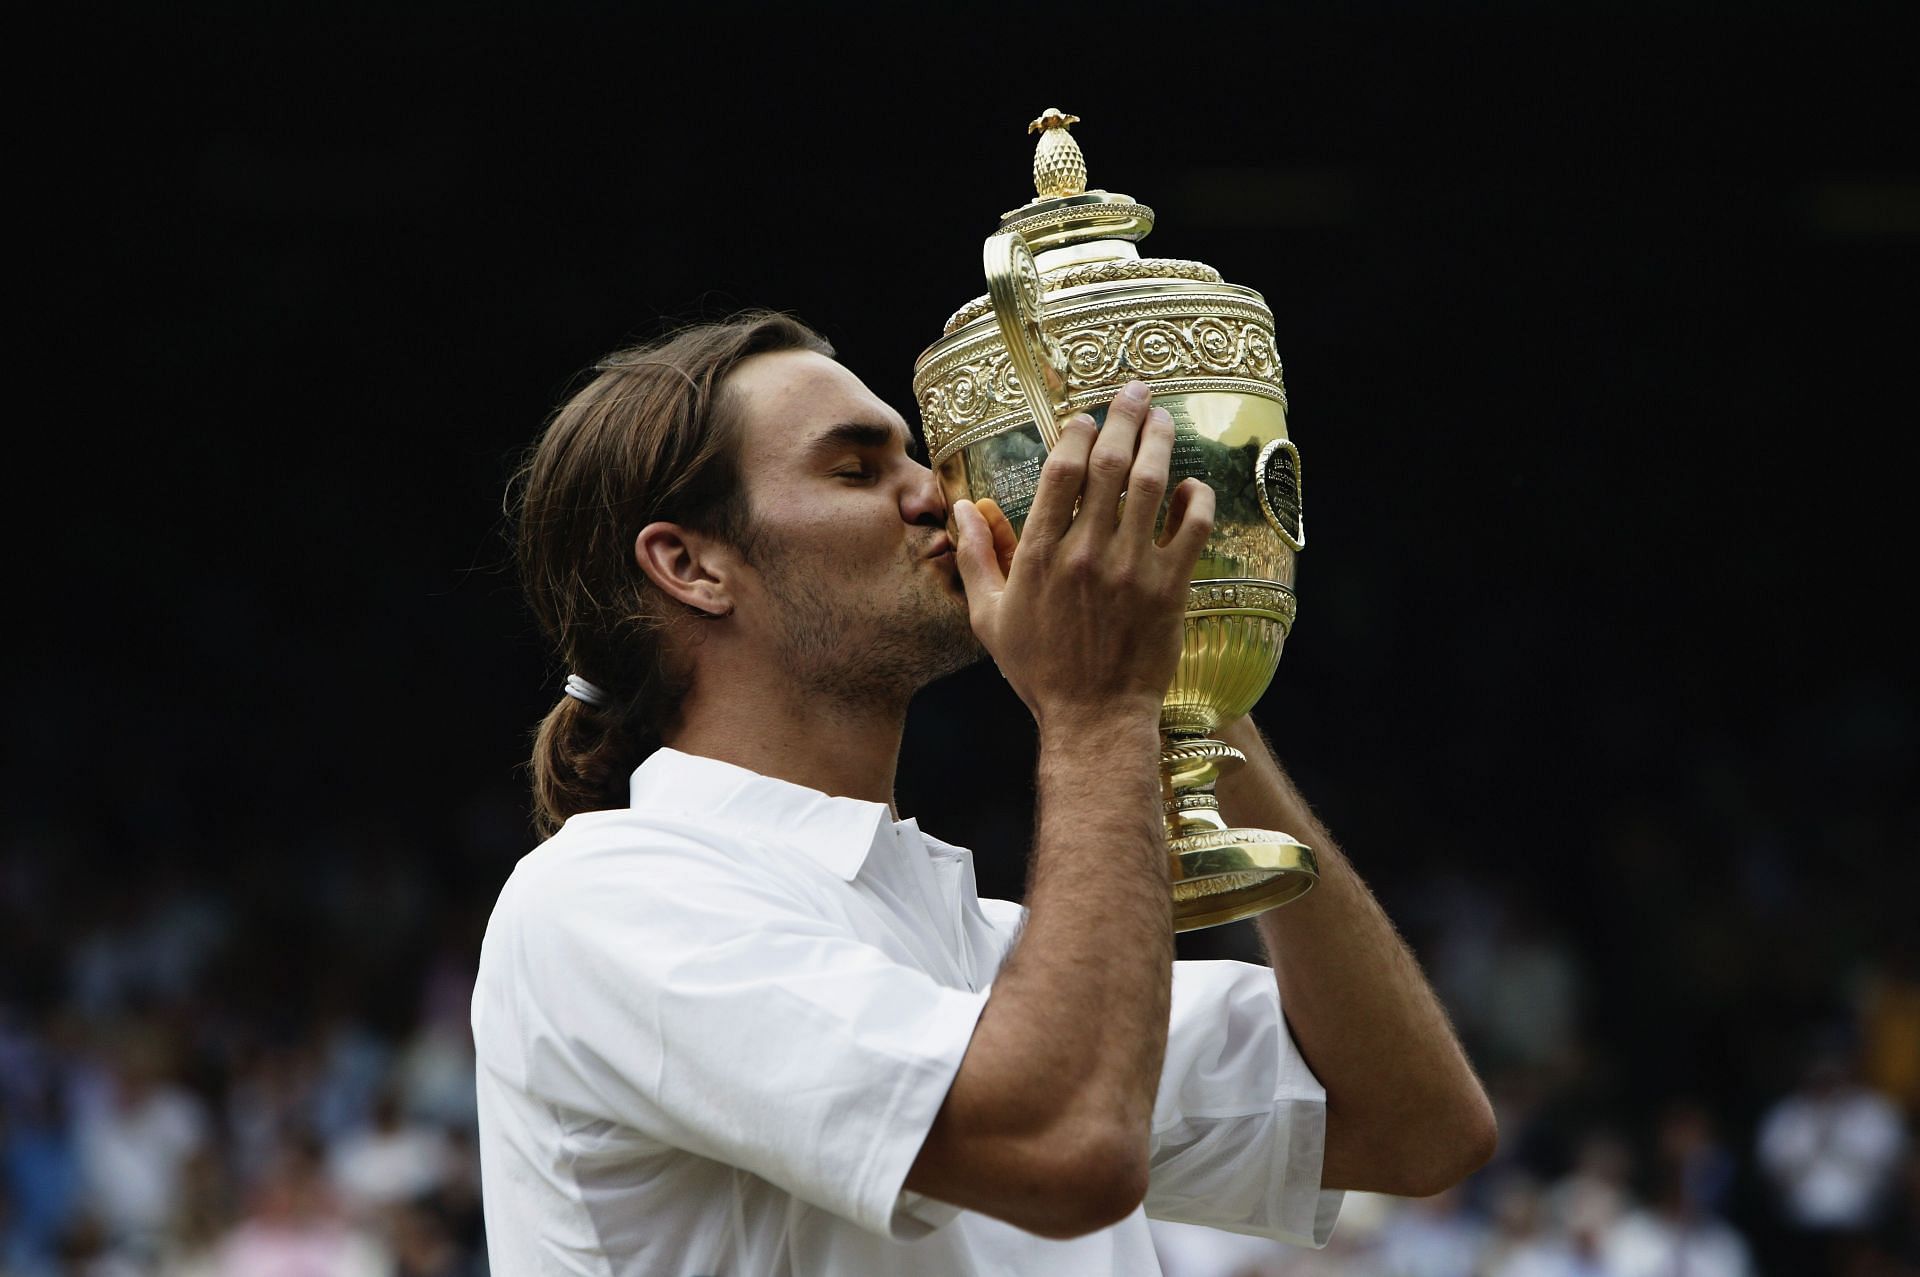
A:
1058,167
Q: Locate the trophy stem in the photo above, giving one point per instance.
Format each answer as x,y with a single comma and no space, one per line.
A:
1219,873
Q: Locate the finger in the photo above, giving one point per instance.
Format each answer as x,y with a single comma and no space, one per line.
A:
979,567
1196,524
1147,482
1177,508
1112,457
1004,541
1060,479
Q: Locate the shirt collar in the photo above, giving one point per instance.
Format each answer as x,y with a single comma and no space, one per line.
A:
836,832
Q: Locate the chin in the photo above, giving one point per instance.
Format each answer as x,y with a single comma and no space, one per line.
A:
943,639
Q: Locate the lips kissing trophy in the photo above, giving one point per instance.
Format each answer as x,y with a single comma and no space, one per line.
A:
1072,313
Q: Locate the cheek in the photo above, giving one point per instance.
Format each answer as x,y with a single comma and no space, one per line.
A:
848,533
824,551
831,536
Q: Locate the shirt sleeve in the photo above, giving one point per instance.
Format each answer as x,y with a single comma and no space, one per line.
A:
1239,1123
726,1017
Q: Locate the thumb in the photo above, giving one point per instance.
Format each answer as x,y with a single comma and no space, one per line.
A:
1004,542
979,566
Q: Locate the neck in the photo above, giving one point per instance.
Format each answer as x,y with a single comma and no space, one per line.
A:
840,750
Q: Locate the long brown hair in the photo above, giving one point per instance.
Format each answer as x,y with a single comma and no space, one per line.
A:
653,436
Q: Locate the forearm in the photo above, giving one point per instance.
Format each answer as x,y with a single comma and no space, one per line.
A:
1046,1125
1084,996
1405,1111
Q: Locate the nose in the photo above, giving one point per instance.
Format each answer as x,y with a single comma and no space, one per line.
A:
922,503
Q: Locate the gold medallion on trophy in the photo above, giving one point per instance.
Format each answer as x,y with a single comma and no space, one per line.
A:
1072,313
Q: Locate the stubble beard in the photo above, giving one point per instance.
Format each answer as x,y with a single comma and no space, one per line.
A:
871,652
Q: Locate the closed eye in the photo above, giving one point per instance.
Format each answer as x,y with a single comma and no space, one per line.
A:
862,437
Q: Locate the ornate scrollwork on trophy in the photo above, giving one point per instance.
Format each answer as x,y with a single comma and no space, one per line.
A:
1213,342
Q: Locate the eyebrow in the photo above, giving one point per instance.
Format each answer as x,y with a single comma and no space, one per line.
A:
863,434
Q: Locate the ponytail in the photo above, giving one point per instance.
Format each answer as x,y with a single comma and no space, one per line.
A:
582,757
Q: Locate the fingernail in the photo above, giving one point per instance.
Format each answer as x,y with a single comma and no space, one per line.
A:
1161,414
1135,392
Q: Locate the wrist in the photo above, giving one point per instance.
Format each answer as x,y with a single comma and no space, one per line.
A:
1107,728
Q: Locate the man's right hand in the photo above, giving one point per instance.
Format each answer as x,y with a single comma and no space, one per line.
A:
1084,617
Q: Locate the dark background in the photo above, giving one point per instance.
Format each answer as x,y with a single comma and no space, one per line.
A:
1598,326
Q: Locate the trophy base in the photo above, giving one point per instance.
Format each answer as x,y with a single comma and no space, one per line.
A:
1225,875
1220,874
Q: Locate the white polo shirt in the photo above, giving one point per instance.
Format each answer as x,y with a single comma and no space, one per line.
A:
713,1030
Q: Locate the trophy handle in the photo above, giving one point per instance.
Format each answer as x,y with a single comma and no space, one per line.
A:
1013,285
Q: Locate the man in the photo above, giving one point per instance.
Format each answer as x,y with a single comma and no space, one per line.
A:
734,1017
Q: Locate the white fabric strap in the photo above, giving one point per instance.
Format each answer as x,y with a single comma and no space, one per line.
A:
584,692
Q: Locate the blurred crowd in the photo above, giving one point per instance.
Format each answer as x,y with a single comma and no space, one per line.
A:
201,1079
1823,1180
214,1065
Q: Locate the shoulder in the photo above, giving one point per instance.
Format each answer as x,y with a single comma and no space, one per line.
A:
602,879
639,888
622,860
605,909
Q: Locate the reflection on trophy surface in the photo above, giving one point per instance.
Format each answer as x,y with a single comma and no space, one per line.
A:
1072,313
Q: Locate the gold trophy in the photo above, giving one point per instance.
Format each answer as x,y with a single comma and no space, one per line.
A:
1072,313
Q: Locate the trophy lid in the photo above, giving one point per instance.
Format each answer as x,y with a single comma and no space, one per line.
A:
1078,236
1063,211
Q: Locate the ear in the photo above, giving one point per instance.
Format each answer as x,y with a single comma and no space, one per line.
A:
685,565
